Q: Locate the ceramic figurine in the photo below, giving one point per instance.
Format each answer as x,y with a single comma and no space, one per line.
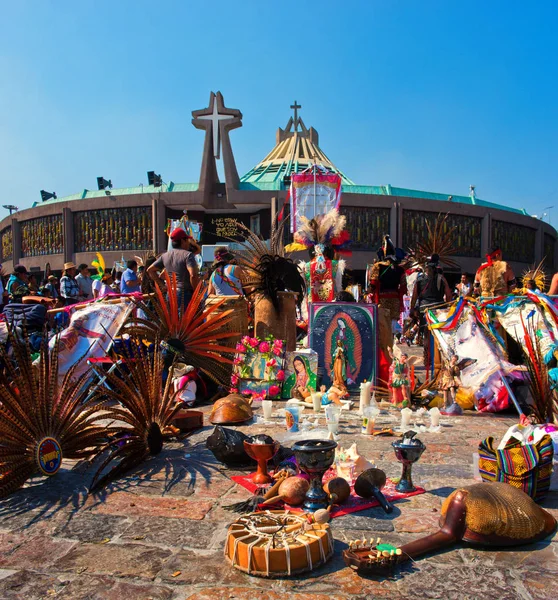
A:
449,384
399,383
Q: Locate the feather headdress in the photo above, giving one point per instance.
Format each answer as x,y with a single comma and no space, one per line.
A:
437,241
328,230
266,268
536,275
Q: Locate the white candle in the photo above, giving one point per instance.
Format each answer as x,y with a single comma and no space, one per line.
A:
267,406
406,417
317,401
434,417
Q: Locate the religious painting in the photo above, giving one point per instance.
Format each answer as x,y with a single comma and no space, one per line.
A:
258,367
352,326
301,368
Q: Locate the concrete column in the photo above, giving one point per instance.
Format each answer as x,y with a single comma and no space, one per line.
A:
68,219
395,217
539,243
486,234
159,223
16,240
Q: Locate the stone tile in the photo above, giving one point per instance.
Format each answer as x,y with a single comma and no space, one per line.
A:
424,580
246,593
170,532
108,588
27,585
418,521
133,505
129,560
195,569
365,521
90,527
25,552
542,585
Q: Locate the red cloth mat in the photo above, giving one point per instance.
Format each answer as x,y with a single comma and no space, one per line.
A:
353,504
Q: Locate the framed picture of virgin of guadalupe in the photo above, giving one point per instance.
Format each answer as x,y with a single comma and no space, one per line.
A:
352,328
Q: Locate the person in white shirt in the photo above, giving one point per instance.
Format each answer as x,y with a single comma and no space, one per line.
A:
102,287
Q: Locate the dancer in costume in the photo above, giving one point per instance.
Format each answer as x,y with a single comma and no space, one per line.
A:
495,277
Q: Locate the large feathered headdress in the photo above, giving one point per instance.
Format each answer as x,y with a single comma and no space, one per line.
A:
267,270
535,275
437,245
327,230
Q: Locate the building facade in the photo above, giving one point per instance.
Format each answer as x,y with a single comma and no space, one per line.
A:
125,222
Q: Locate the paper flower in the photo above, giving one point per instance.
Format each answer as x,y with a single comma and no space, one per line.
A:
254,342
240,348
271,363
234,379
280,375
278,343
264,347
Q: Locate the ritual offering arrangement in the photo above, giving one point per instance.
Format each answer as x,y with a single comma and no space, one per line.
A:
407,451
483,514
278,544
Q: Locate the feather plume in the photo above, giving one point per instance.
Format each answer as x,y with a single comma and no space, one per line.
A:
99,264
438,240
35,405
142,405
545,407
266,268
198,331
535,274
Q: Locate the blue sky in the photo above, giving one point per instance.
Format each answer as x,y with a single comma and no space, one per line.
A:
431,95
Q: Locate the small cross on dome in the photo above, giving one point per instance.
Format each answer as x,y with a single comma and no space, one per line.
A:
295,107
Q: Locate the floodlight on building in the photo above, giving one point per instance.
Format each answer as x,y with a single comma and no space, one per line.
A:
103,183
154,179
47,195
10,207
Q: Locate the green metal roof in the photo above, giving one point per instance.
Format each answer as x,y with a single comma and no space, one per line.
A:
129,191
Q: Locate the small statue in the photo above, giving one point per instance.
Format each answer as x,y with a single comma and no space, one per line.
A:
399,381
449,384
339,370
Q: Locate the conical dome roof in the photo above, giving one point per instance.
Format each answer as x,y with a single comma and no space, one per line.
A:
296,149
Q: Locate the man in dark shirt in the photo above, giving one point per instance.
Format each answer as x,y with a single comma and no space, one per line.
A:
181,261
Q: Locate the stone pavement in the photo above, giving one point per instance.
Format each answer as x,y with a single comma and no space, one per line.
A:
159,533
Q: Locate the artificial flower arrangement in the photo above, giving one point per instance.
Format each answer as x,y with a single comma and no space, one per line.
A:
258,367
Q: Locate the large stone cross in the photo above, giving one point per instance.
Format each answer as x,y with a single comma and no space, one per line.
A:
212,117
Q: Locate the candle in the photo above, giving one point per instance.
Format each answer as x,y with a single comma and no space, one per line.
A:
434,417
405,417
364,396
267,406
317,401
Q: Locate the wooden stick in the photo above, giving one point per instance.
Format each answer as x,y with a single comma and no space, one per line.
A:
53,311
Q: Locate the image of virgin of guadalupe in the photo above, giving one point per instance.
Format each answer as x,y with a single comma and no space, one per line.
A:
344,338
302,381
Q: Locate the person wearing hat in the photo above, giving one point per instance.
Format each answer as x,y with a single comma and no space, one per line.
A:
181,261
494,277
84,281
69,288
226,277
50,287
18,284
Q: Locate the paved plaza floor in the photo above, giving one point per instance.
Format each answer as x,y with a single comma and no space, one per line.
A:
159,533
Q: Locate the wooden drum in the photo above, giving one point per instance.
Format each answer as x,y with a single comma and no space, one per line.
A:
277,544
239,317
